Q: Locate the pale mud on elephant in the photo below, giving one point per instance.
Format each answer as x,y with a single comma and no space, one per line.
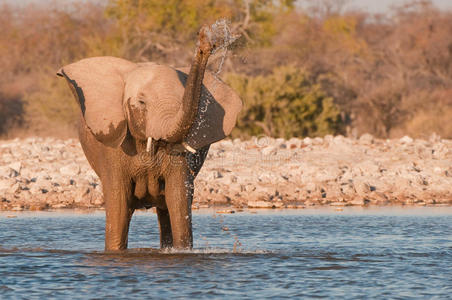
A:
146,130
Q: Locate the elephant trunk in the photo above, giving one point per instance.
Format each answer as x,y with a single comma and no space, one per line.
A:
190,101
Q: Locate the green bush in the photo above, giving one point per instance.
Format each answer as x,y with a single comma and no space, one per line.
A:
285,103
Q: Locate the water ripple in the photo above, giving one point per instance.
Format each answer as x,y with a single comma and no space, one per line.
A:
281,255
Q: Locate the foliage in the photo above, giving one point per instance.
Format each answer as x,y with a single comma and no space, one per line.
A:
388,75
285,103
144,27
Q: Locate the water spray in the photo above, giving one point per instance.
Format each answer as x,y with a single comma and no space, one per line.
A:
222,37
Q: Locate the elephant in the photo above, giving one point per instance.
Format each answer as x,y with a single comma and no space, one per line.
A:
145,129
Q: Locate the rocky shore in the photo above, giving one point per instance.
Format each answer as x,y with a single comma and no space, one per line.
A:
47,173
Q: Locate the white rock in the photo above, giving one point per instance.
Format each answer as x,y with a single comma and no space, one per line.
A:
421,180
327,174
14,188
448,172
81,194
310,187
268,190
278,204
226,144
328,138
44,174
294,143
317,141
91,175
217,174
16,166
347,189
250,188
279,141
7,158
260,204
228,180
357,201
366,167
362,187
440,151
339,139
42,183
4,172
263,141
406,140
60,180
401,183
366,139
434,138
6,184
99,200
268,177
70,170
269,150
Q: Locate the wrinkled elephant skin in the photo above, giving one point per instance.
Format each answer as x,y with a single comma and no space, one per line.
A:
146,130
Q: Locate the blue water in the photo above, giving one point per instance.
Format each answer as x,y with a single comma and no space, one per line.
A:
353,254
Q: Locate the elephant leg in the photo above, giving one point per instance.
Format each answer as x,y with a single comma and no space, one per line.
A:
177,190
166,237
118,211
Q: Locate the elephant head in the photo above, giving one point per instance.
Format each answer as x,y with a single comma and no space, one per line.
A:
153,101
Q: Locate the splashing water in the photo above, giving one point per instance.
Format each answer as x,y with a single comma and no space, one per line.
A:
220,66
220,31
236,247
219,34
207,250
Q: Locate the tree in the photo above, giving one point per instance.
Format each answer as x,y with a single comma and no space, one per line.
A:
152,27
285,103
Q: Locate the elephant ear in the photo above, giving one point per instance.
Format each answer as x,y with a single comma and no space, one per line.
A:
98,85
218,109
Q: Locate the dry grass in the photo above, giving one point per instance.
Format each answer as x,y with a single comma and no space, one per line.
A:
387,76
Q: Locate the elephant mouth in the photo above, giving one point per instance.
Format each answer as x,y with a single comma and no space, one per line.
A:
151,146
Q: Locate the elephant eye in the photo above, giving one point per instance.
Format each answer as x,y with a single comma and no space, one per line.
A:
141,102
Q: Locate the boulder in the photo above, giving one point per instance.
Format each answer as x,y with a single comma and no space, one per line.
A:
6,184
406,140
269,150
16,167
366,139
362,186
317,141
260,204
70,170
307,141
328,138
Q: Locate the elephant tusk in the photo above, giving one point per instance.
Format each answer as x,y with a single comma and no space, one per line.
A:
188,148
149,145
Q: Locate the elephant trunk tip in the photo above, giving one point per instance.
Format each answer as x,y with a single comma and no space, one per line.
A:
216,36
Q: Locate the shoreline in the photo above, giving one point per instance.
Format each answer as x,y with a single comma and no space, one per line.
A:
442,209
48,173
